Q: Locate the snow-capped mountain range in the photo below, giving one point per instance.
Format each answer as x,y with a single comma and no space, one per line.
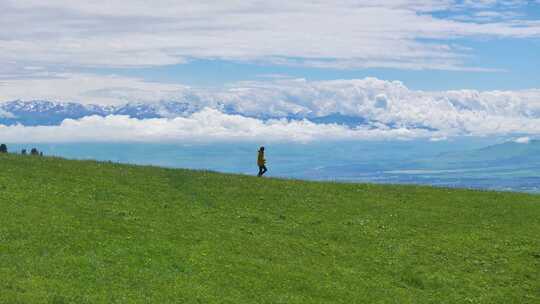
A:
44,112
48,113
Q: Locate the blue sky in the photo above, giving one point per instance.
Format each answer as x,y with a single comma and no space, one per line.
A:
428,45
516,65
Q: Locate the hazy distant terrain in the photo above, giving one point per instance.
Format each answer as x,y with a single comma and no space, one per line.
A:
486,163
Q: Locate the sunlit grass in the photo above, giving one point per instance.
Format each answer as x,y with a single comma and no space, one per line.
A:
90,232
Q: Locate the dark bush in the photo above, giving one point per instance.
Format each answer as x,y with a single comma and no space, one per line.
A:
3,148
23,151
34,151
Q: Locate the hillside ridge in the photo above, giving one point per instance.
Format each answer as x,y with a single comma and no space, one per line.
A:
98,232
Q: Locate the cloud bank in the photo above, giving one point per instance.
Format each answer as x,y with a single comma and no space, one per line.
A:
286,109
204,126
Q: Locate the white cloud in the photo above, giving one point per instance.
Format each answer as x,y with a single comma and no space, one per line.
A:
388,107
206,125
343,34
85,88
5,114
522,140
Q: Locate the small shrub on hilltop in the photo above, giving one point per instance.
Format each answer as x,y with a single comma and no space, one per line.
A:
3,148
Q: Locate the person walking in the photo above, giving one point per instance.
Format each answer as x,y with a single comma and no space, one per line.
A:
261,162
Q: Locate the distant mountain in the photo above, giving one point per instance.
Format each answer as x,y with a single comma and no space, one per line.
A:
507,154
42,112
47,113
351,121
162,109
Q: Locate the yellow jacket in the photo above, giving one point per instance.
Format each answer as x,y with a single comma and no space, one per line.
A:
260,159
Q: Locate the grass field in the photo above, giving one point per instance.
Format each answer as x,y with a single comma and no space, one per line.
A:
90,232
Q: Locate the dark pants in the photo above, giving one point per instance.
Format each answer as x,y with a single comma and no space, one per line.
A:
262,170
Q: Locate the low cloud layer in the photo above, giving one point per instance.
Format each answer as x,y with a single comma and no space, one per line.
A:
204,126
280,110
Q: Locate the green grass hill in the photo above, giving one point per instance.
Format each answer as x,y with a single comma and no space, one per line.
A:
94,232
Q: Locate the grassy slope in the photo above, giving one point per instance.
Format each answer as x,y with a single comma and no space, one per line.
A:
88,232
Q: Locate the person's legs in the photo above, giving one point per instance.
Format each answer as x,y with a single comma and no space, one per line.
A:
263,170
260,171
